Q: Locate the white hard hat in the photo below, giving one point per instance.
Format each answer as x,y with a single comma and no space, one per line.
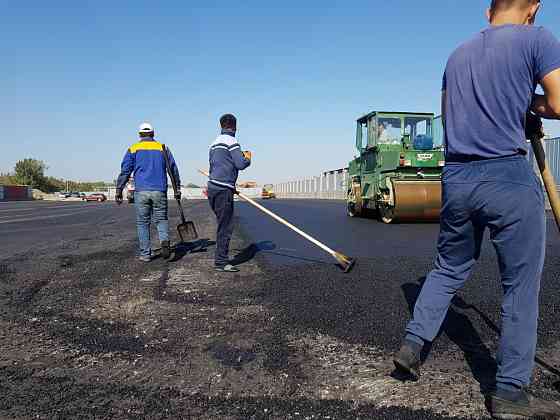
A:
145,128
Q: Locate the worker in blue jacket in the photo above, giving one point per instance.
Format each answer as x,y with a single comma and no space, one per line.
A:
488,88
146,161
226,160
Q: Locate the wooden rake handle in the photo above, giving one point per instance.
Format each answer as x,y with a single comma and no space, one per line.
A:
281,220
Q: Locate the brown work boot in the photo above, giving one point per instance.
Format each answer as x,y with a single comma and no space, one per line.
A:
524,406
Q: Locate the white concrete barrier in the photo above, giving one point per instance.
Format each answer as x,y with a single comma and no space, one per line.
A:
330,185
190,193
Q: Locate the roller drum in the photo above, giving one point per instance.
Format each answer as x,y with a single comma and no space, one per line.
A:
416,201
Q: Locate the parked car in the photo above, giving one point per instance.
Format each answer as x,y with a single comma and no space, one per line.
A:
75,194
63,194
95,197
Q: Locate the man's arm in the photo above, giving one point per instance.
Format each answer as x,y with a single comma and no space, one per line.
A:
443,97
239,160
546,66
548,105
127,167
174,168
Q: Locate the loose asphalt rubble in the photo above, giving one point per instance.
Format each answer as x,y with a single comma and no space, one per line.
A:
86,331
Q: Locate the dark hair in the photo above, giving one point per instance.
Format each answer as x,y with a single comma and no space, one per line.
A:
228,122
144,134
508,4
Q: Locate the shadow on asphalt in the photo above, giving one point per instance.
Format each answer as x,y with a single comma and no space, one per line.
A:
460,303
461,331
268,247
248,253
299,258
184,248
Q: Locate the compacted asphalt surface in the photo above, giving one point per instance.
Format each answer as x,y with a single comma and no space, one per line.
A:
391,263
367,238
26,225
372,304
87,331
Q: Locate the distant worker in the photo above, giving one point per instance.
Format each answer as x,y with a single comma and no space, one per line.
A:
145,160
488,87
226,160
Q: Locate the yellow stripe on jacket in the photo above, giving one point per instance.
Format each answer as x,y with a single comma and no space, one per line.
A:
146,145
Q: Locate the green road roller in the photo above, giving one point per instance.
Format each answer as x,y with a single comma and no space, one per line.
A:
397,173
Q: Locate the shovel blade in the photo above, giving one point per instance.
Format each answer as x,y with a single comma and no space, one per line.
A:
187,231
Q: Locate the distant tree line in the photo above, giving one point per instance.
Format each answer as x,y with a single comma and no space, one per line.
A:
32,172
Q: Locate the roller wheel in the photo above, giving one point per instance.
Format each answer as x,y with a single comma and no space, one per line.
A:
386,213
351,205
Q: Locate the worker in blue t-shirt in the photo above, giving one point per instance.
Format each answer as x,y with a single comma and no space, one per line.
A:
488,87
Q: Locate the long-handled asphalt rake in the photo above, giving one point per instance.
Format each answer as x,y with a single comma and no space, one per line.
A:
344,262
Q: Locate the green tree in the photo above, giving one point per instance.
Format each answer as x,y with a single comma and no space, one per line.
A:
7,179
30,172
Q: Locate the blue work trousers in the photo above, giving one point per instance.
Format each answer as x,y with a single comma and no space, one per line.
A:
221,202
148,204
505,196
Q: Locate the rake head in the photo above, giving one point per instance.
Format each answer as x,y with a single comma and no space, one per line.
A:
345,263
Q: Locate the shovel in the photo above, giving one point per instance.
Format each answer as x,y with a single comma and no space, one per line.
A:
186,229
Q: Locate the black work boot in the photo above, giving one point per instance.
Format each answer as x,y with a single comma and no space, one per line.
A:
407,359
520,405
165,249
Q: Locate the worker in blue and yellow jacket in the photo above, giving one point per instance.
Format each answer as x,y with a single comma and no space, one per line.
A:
146,161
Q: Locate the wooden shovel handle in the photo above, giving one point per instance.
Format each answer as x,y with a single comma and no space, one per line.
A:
548,179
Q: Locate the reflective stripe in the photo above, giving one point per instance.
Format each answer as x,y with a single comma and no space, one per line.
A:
223,184
146,145
234,147
219,147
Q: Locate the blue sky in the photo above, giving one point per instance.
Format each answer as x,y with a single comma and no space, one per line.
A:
79,77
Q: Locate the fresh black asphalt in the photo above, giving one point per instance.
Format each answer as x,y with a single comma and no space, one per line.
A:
306,292
26,225
372,304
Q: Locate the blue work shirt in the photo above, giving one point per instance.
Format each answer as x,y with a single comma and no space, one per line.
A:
145,159
226,160
489,83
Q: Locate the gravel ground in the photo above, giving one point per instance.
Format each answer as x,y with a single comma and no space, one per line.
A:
86,331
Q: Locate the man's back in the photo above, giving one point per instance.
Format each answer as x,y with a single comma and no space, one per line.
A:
226,160
149,167
145,159
489,83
